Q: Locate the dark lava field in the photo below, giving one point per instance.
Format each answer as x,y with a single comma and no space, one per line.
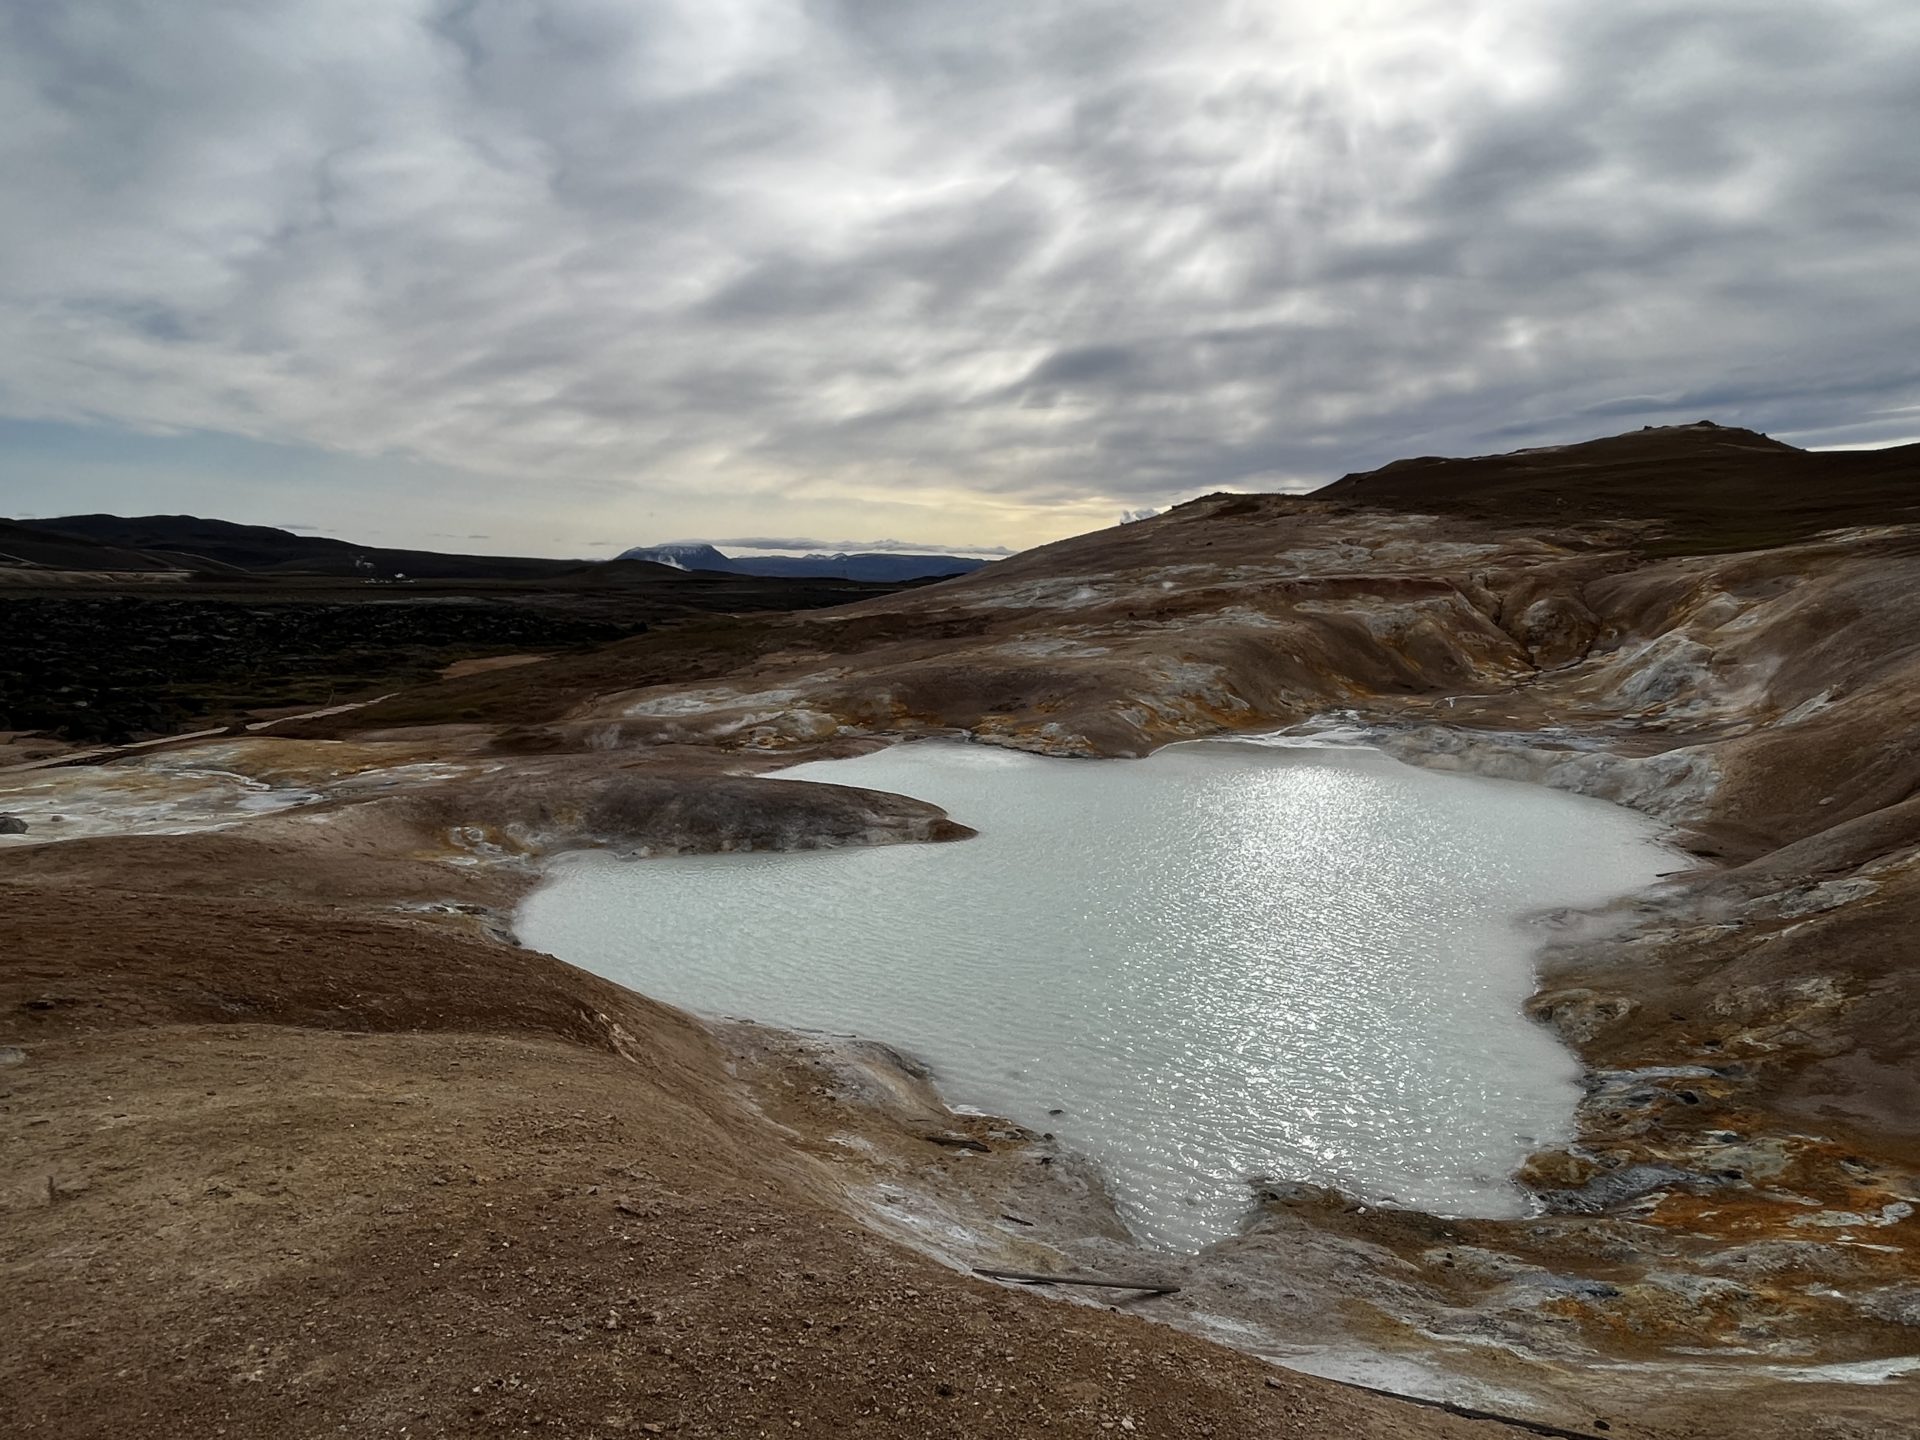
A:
112,663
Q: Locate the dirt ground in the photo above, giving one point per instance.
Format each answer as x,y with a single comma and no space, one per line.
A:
295,1139
274,1172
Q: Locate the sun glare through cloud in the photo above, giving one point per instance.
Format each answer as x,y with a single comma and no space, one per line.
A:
970,275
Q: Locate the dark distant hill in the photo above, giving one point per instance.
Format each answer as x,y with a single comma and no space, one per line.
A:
1713,487
603,574
29,546
192,541
863,565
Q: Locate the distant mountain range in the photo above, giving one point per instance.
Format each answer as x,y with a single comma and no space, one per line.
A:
123,544
862,565
192,542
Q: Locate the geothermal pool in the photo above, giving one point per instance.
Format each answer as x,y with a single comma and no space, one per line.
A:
1227,960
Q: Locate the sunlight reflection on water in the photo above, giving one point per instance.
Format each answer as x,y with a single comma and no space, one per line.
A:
1221,961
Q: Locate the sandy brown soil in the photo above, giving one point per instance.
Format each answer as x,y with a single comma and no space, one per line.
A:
276,1169
298,1141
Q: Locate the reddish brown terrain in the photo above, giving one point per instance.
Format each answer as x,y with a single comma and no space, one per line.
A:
299,1141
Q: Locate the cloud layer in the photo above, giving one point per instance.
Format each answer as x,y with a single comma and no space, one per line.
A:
973,261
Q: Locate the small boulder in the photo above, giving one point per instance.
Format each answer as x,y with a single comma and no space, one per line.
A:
12,825
954,1140
1579,1014
1556,1169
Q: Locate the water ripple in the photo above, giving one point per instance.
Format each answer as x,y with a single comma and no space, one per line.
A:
1221,961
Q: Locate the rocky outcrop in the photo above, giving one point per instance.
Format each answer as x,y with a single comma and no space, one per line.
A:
647,815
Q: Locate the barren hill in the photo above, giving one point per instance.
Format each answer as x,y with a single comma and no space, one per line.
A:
28,545
1708,487
303,1140
189,539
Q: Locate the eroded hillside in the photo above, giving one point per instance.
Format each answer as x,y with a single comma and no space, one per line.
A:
275,1075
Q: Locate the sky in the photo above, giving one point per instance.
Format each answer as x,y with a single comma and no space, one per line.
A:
558,276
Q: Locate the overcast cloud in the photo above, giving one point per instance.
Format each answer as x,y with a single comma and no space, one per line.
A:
966,272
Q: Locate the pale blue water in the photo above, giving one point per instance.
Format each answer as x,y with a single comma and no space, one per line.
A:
1221,961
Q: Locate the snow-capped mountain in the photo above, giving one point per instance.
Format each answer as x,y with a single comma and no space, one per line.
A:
695,556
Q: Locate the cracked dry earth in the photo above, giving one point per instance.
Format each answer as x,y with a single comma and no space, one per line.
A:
298,1141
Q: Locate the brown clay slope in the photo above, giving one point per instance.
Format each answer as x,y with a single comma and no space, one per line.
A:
272,1171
